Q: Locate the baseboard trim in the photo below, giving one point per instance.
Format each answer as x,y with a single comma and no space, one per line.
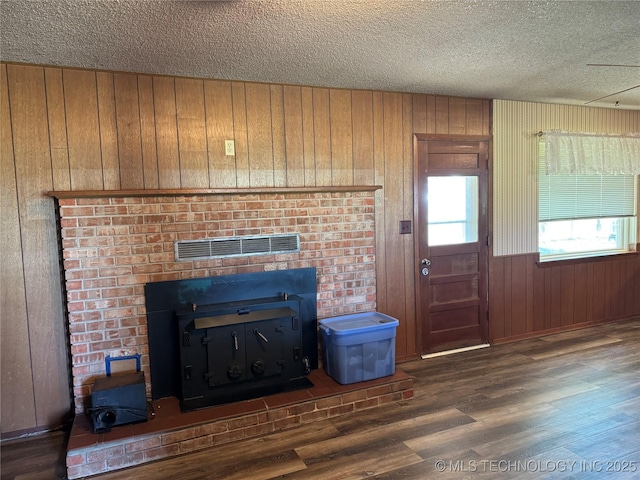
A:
455,350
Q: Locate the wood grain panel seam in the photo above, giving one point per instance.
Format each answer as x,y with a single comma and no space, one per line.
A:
175,105
66,133
206,135
99,128
140,128
117,132
353,147
273,149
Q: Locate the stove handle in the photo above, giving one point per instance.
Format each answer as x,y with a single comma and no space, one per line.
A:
257,332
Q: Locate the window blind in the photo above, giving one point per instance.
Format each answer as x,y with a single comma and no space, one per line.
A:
566,197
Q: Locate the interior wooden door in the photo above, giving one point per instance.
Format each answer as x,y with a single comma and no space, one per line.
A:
451,243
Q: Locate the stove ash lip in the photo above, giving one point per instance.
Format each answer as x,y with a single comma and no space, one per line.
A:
237,297
238,313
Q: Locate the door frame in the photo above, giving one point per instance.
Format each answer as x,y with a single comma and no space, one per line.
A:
417,137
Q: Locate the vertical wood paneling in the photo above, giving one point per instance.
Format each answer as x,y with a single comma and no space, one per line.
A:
518,298
192,133
340,111
128,125
240,134
548,300
43,295
410,264
601,292
442,114
507,306
615,294
567,275
474,117
57,129
164,100
277,133
558,296
636,282
322,136
380,213
259,135
219,111
362,117
580,297
628,286
496,298
539,299
590,293
82,129
294,141
148,132
17,401
557,293
108,131
419,113
529,297
457,116
431,114
486,117
394,211
308,133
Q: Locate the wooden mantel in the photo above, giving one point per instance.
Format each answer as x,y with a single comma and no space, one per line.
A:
175,192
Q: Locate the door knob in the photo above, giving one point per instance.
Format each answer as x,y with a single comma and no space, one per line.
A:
425,261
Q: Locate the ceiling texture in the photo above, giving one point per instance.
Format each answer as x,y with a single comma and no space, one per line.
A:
535,51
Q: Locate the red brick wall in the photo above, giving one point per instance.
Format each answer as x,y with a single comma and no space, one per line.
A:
113,246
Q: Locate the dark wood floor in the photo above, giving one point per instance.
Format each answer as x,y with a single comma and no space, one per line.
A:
565,406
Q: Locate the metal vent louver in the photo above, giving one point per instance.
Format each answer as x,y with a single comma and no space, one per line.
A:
236,246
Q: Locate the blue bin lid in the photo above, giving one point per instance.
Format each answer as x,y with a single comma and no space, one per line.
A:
358,323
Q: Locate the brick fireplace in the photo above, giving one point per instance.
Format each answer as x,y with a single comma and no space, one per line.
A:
113,246
114,243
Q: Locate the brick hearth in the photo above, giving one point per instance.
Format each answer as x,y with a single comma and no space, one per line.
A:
171,432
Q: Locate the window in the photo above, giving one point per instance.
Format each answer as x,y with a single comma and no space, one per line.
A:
452,210
584,215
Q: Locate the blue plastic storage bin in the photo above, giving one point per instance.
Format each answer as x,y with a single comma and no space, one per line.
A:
359,347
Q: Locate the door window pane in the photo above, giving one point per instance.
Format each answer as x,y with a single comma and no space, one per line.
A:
452,210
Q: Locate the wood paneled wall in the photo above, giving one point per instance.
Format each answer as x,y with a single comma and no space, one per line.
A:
526,299
68,129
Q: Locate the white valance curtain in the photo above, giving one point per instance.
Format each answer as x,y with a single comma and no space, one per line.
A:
591,154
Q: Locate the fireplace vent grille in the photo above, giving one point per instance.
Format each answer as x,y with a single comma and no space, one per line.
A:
236,246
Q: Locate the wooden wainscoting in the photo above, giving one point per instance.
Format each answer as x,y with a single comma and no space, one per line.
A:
527,298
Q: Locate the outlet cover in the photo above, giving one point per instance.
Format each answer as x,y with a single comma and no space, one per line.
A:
229,147
405,227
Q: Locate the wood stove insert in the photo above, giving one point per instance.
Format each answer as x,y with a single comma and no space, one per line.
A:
223,339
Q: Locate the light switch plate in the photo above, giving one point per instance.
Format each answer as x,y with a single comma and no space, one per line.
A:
405,227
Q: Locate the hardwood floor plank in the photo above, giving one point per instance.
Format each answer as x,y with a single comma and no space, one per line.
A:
610,443
358,465
372,438
575,347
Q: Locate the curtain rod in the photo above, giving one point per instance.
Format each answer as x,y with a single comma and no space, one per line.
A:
581,134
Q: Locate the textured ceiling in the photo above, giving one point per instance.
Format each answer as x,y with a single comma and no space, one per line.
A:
518,50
